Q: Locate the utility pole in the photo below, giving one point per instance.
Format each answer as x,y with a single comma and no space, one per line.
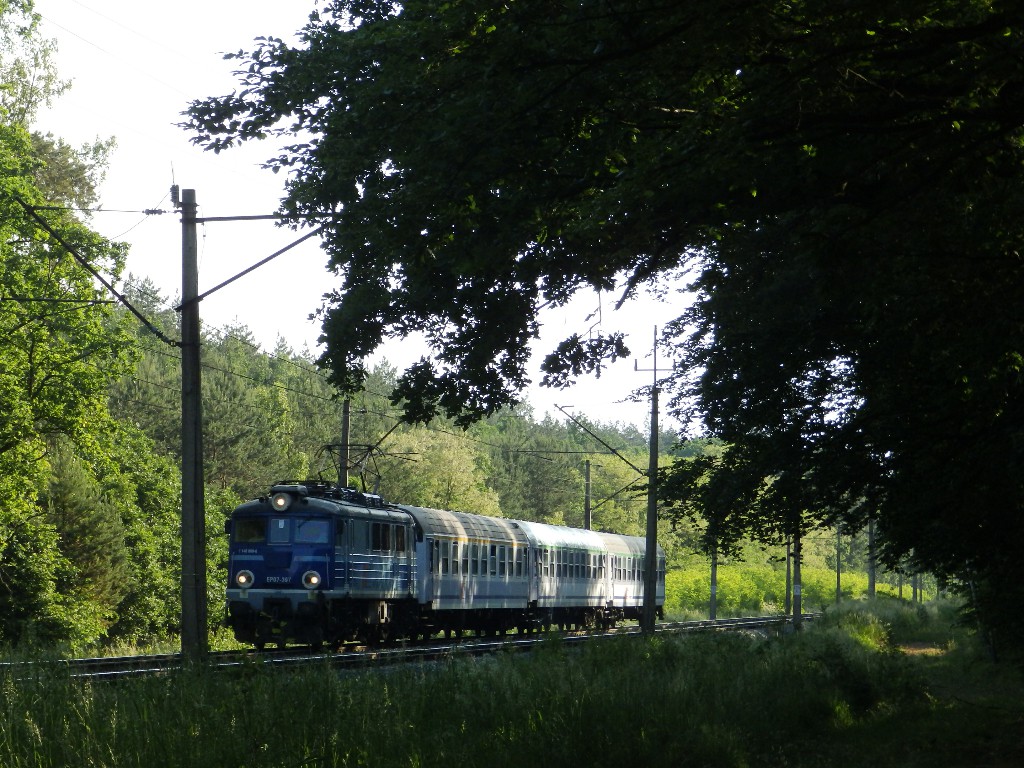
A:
587,521
798,585
789,578
713,607
194,641
871,559
839,563
193,509
651,558
346,427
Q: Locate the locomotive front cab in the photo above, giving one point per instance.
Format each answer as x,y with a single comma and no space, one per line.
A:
280,563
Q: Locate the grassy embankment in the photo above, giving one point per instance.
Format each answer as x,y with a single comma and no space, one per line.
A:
893,686
751,589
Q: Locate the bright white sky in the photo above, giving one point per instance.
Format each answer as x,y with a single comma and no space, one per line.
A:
135,66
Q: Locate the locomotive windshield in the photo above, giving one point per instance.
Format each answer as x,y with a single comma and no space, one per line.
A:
311,531
281,530
250,530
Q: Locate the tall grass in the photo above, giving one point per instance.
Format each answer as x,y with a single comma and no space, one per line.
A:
728,700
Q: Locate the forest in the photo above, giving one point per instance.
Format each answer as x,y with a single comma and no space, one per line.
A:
841,186
105,516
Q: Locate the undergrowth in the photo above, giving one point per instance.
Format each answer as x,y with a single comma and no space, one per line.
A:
722,699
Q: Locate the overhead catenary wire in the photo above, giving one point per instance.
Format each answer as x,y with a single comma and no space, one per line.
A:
123,300
84,263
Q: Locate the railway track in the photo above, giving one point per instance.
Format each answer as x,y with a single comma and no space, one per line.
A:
354,657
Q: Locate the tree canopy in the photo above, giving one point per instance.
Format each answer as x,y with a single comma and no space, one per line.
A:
845,179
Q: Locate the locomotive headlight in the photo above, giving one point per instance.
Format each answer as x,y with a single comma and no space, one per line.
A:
281,501
244,579
311,579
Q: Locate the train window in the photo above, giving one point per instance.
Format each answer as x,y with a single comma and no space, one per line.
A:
311,531
280,531
483,559
381,537
436,554
547,562
577,565
494,559
455,558
250,530
501,560
474,558
465,558
519,560
339,533
445,557
400,538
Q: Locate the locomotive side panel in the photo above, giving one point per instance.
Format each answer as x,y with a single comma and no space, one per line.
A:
379,557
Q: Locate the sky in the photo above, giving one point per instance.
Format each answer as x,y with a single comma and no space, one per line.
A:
134,68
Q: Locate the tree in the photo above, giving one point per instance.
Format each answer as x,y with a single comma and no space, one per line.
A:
432,468
92,540
846,178
60,345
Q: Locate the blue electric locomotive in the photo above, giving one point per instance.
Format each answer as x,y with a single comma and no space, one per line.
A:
312,563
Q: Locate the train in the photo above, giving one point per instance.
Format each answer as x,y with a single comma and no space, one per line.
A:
313,563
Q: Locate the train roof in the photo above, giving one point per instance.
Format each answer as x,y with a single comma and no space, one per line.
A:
465,525
311,496
546,535
618,544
